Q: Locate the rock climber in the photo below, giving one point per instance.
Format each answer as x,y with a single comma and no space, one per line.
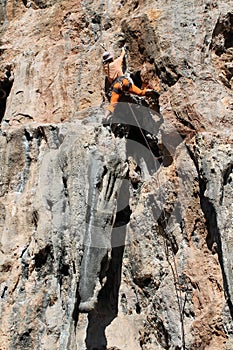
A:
113,69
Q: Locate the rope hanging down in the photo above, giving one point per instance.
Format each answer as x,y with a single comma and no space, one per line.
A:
173,266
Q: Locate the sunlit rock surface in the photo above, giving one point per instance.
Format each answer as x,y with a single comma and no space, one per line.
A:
121,238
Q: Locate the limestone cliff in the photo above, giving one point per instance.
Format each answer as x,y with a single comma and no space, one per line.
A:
116,239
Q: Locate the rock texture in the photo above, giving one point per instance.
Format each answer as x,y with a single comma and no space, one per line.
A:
117,238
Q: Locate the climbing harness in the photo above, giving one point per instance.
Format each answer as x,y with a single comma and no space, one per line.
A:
121,84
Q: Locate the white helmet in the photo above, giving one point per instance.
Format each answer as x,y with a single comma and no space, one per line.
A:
107,56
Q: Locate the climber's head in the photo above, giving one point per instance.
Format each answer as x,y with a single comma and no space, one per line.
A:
107,57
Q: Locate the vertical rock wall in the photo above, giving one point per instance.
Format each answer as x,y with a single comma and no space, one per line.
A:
116,240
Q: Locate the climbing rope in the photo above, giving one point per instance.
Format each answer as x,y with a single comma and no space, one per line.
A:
166,248
143,135
177,289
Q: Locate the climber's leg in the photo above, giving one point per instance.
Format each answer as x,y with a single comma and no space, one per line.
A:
143,92
113,101
135,90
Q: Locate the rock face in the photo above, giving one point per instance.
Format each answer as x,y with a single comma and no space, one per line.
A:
116,238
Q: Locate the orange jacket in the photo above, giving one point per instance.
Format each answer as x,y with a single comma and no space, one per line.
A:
113,70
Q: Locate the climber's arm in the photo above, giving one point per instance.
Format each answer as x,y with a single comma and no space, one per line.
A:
119,60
